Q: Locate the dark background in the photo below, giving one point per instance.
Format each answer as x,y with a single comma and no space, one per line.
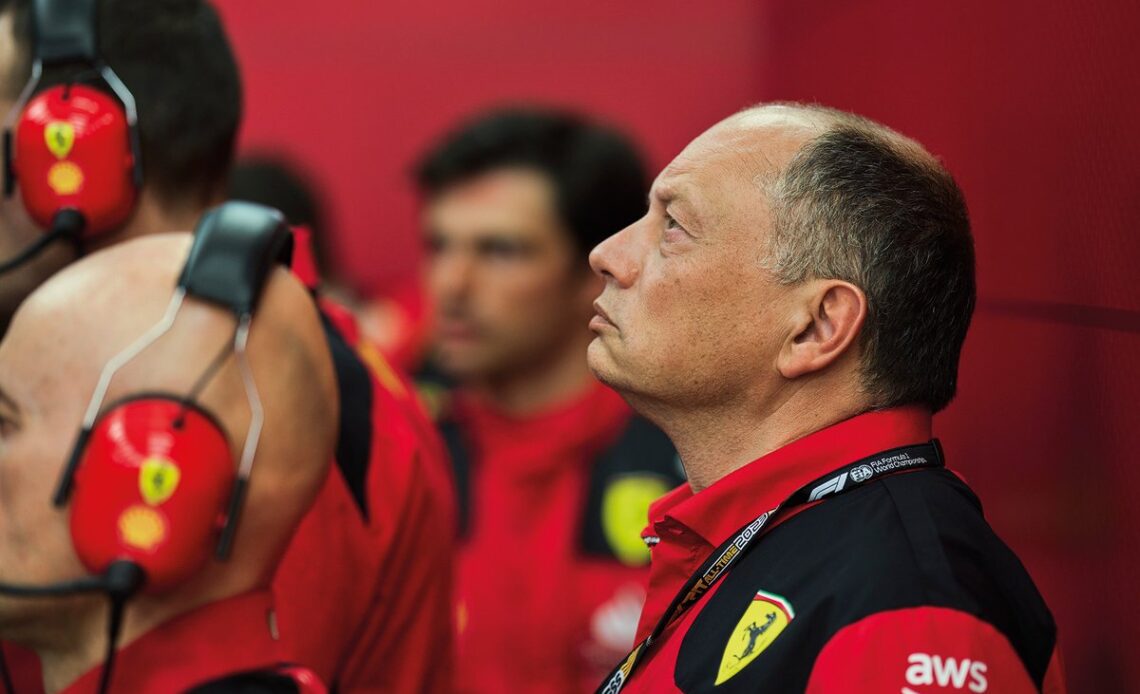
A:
1033,106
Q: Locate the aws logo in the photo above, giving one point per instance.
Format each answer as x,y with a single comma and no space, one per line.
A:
925,669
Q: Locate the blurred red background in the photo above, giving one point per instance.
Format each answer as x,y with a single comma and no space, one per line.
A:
1033,106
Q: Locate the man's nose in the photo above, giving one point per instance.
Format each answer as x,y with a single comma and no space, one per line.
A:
616,258
451,273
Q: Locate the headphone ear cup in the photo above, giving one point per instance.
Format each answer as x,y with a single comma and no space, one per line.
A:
72,151
151,488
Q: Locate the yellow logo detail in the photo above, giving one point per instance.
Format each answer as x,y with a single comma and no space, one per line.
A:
60,138
380,368
65,178
625,511
142,527
158,479
766,618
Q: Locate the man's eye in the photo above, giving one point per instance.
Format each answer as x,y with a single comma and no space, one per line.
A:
502,249
673,230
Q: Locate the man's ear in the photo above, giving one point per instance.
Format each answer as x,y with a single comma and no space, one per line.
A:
828,316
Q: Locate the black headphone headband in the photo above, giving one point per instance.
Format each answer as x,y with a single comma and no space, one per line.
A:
65,32
235,247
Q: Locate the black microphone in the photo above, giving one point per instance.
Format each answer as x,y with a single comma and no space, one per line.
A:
67,224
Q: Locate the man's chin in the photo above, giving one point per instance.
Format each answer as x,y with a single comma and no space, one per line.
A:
601,363
467,365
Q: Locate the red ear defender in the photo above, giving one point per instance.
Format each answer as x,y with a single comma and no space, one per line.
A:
151,488
73,150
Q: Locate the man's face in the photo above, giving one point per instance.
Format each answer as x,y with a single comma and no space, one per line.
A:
689,314
41,405
17,231
508,288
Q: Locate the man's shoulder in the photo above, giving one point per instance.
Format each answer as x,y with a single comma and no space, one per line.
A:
382,423
913,540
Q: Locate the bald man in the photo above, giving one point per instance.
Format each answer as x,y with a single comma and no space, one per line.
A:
359,598
221,620
790,311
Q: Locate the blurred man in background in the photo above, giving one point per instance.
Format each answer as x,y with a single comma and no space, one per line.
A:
358,601
393,321
554,471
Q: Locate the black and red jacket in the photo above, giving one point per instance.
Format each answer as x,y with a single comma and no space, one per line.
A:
897,586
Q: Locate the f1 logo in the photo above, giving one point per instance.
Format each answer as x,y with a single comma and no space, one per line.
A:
833,485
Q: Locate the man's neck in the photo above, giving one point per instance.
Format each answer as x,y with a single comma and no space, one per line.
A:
80,644
66,660
543,384
150,217
718,439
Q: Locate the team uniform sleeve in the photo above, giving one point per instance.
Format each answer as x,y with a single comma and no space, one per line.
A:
925,650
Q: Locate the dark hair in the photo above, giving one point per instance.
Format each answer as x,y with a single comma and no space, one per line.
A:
271,180
599,179
175,58
863,204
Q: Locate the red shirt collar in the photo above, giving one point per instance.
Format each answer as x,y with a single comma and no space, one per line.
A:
739,497
222,638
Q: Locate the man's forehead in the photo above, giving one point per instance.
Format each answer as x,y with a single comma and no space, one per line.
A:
746,146
507,202
507,185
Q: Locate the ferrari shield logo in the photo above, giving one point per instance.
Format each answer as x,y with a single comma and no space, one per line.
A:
158,478
59,136
766,618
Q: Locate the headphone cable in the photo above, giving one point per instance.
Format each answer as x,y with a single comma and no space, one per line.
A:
121,580
67,224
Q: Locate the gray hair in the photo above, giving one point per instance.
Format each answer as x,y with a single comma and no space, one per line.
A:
863,204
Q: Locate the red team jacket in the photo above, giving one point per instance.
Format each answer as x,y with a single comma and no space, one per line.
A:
364,592
897,586
551,565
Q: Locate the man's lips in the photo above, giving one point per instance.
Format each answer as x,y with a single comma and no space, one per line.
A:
602,319
457,330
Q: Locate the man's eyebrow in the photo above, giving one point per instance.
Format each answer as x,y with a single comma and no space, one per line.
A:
666,193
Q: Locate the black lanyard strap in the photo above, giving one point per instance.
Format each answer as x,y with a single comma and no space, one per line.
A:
724,557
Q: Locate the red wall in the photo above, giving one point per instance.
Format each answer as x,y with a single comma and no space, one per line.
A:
358,90
1031,105
1034,108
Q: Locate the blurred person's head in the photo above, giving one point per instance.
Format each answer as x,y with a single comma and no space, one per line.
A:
513,202
790,255
47,375
174,57
273,180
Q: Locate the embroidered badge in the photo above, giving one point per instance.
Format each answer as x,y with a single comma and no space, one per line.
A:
766,618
